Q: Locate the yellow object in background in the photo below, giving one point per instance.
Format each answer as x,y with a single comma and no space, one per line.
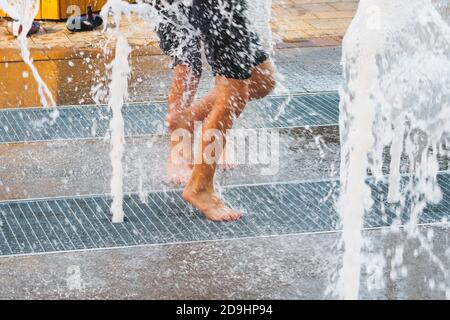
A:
38,16
57,9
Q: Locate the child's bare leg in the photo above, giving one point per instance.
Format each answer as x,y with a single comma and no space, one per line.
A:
262,80
260,84
181,96
231,96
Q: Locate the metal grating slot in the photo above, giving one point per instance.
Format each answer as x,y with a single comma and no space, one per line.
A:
82,223
81,122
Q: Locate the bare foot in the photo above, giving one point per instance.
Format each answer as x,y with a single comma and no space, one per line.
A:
211,206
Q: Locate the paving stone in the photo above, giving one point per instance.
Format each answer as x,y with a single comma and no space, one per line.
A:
291,20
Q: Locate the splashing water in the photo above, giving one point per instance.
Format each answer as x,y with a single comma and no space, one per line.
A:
24,12
120,72
396,62
259,14
118,90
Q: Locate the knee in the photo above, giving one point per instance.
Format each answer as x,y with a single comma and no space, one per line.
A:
172,120
268,84
185,72
262,82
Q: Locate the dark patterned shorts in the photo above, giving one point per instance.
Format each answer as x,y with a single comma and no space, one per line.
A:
231,48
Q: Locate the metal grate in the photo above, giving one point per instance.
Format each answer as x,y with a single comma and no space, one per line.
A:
80,122
84,222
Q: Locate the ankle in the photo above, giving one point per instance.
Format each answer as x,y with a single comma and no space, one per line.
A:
193,188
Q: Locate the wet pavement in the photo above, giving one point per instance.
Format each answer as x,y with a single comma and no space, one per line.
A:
82,167
280,267
290,266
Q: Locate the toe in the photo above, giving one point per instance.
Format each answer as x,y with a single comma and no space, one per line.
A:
216,218
228,217
236,216
232,216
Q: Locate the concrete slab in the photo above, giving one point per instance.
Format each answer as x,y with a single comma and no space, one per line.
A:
288,267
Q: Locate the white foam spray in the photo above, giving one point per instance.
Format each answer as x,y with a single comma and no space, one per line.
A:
259,14
396,62
118,90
